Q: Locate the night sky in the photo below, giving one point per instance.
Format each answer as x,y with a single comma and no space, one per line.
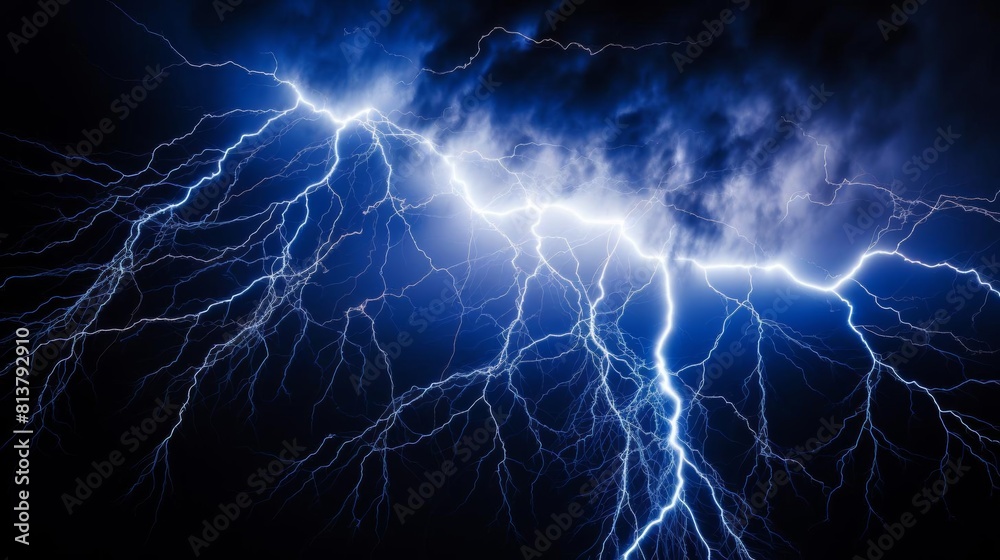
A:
666,280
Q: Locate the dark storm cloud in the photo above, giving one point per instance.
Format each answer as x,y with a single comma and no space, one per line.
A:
703,124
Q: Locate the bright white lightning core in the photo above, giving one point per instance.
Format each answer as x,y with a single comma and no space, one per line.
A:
563,287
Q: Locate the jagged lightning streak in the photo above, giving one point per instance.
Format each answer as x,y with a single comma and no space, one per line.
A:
659,468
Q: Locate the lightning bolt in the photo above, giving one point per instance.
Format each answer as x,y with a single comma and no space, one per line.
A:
564,287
